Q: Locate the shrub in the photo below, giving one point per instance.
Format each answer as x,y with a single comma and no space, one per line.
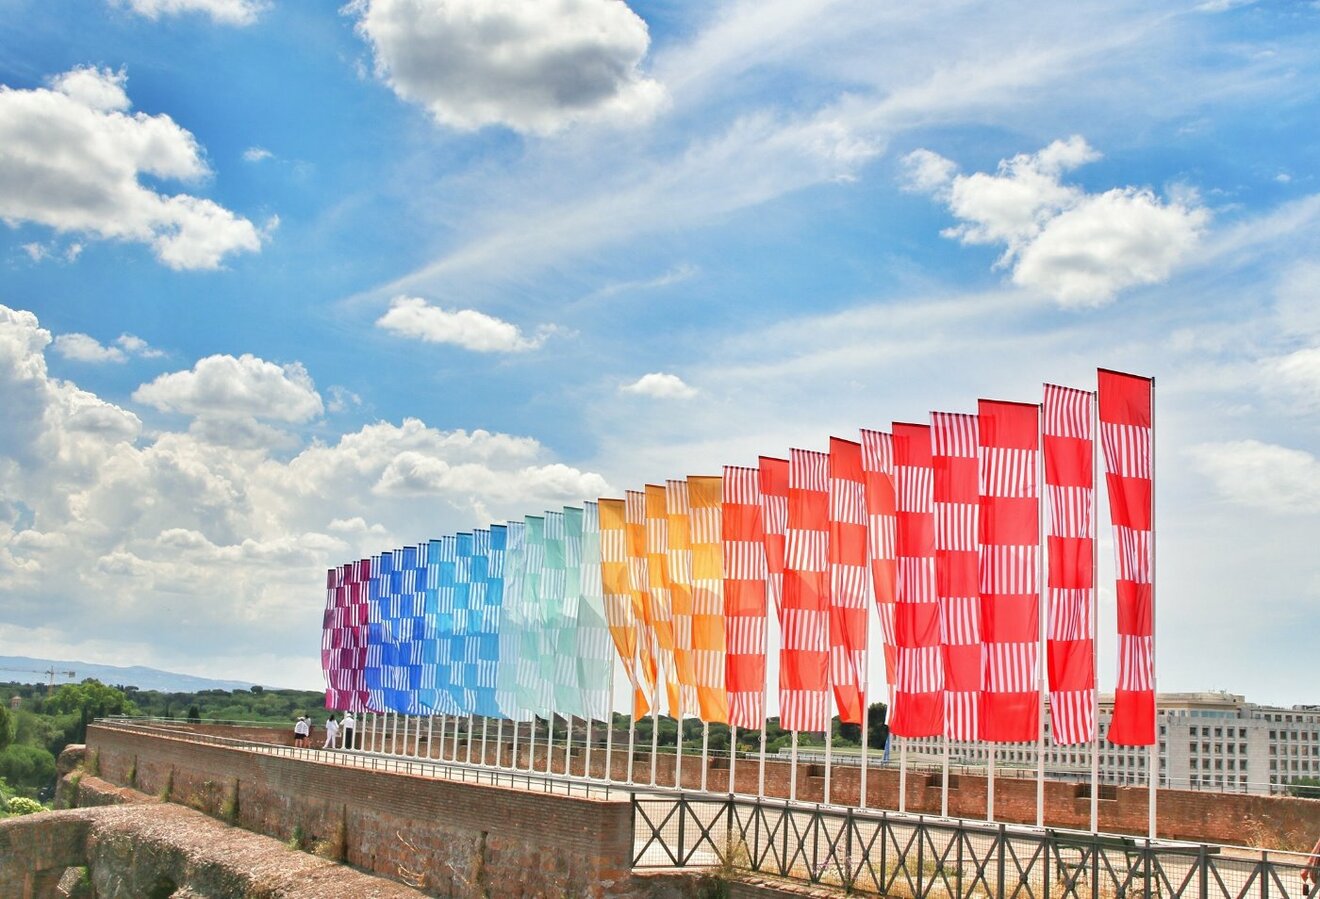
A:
21,805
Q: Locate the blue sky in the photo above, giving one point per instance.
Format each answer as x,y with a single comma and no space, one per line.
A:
284,284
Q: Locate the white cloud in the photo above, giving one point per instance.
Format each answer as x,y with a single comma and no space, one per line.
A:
415,318
81,348
72,157
227,387
135,345
1298,373
660,385
1262,475
257,154
207,542
1080,249
341,398
534,67
224,12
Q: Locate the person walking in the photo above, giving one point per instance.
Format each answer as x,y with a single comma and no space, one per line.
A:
346,727
331,732
301,728
1311,871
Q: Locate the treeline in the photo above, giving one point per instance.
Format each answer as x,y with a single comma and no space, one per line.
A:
36,725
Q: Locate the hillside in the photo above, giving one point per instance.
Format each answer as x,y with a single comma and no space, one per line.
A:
26,670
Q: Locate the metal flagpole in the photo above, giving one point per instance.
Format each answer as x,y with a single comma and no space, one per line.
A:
760,765
608,772
792,772
430,731
549,740
678,755
1041,680
394,733
866,740
1095,615
444,721
499,742
990,785
902,773
470,729
655,722
944,776
733,758
1153,761
568,745
513,760
828,792
485,723
705,749
454,753
417,738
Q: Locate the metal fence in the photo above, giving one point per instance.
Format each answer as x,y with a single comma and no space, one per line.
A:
911,856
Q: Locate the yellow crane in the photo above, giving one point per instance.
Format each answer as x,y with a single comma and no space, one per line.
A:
51,673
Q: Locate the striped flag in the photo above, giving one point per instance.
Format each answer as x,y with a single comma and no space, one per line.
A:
774,522
563,593
708,636
849,582
1127,438
657,579
744,594
464,642
919,680
878,471
1070,485
804,666
1010,558
954,454
533,687
371,670
512,623
677,508
489,548
438,679
639,577
345,635
594,648
616,587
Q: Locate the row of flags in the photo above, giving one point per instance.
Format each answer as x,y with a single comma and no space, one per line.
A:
939,524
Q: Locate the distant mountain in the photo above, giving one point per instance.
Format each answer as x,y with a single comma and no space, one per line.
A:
24,670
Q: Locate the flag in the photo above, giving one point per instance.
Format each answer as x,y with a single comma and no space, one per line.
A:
511,623
616,589
1070,485
438,675
564,563
679,537
1127,437
489,546
640,581
708,637
464,641
594,650
878,471
371,669
533,687
919,676
954,454
804,665
657,579
848,579
774,522
744,595
1009,436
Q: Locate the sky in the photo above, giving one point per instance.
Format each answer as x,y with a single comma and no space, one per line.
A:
286,284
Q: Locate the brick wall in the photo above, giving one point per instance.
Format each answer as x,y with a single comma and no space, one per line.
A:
447,838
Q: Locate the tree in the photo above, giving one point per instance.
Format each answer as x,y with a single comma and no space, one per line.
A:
8,727
194,715
90,699
1308,787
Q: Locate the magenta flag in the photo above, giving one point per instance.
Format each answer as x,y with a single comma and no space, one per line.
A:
1127,437
1070,486
1009,436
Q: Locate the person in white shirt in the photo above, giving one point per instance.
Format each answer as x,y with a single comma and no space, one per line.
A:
301,729
331,732
346,727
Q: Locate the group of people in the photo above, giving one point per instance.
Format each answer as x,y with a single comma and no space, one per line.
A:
338,732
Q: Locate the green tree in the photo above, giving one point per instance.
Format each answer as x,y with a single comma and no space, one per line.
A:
1308,787
8,726
27,768
194,714
89,700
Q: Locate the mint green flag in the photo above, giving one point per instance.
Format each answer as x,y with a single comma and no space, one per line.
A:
595,651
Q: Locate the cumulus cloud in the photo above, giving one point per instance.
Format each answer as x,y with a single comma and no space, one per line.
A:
84,348
208,541
227,387
415,318
534,67
1080,249
73,155
660,385
1262,475
225,12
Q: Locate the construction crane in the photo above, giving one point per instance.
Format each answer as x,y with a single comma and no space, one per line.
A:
51,673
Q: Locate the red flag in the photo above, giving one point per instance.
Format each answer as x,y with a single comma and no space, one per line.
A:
1070,483
919,687
848,578
1127,436
956,501
803,670
1010,557
744,595
878,469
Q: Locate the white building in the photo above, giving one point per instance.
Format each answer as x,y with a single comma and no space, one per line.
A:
1215,741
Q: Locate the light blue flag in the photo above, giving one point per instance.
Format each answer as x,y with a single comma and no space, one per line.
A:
533,689
595,651
432,689
463,685
564,652
489,568
511,624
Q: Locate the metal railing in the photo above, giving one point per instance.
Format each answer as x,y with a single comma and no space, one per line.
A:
914,856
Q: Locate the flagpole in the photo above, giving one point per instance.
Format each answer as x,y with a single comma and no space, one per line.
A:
1153,762
866,739
792,773
470,729
430,724
1041,678
485,723
394,732
568,745
453,756
678,754
632,717
990,785
705,753
733,758
1095,616
902,774
944,776
417,737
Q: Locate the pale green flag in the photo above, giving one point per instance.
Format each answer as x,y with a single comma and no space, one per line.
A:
595,651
